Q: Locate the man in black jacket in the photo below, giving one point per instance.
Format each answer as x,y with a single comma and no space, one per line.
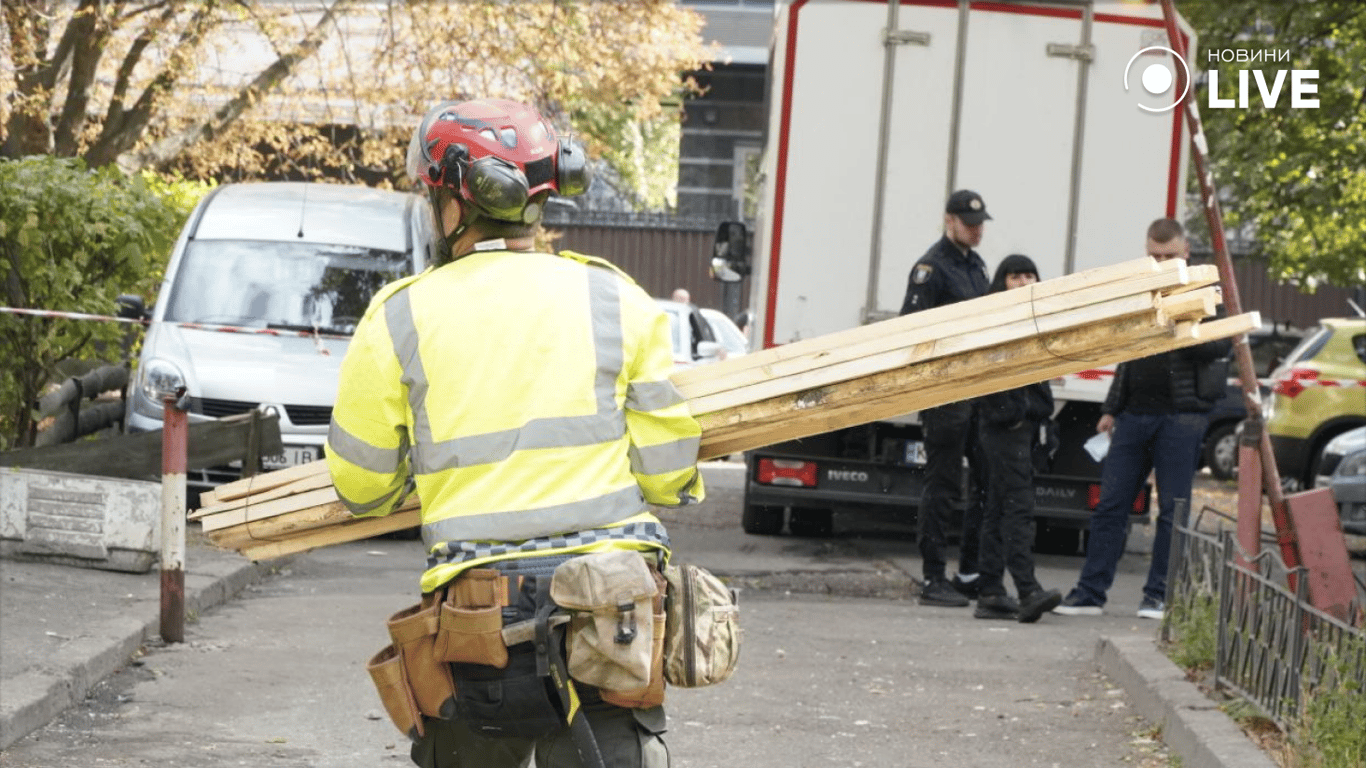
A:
949,272
1156,418
1009,424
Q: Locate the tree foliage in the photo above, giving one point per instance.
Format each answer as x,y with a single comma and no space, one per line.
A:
73,239
248,89
1295,178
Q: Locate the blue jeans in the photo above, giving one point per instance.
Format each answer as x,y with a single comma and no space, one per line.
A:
1168,444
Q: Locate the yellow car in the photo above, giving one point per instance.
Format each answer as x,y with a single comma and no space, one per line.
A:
1318,393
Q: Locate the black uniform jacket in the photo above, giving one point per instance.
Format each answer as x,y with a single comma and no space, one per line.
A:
945,275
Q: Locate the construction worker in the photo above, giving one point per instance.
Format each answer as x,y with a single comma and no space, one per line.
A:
949,272
526,396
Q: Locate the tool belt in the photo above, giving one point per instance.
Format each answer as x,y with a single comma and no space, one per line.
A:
484,648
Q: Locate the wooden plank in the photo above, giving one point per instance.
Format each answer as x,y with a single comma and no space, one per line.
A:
267,480
254,511
288,525
355,529
1109,282
282,490
975,316
902,391
921,351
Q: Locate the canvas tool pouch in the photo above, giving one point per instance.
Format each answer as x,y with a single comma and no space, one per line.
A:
702,628
470,629
386,671
413,631
610,596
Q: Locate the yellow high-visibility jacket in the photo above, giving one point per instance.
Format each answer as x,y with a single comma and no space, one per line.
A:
528,397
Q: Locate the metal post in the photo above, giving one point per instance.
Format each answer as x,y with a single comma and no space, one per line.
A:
174,445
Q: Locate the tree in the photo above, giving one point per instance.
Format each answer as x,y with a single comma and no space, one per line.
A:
1294,177
239,89
73,239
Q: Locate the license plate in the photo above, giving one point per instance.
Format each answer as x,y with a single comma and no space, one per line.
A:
293,455
915,452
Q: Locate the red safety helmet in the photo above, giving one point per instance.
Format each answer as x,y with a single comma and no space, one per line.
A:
498,156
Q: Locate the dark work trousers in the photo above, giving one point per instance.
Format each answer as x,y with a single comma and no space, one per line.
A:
969,548
946,430
1008,521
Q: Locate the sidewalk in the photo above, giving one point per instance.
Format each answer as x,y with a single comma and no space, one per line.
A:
62,629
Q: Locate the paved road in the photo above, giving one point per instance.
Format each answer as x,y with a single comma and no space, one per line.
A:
860,676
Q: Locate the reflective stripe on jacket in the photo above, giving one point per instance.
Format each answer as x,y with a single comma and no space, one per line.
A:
527,394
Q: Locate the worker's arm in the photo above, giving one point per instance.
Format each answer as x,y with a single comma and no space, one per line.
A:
664,436
367,444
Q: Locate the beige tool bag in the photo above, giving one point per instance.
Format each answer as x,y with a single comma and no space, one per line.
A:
702,628
610,596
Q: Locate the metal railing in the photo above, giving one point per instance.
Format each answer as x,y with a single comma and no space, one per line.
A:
1272,648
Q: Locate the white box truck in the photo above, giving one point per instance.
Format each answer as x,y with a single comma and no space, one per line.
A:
876,111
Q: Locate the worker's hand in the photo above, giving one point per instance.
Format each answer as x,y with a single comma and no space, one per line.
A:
1106,423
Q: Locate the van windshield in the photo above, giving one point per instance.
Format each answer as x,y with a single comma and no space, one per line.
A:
264,284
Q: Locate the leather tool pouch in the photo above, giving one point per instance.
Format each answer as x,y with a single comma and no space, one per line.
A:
413,631
470,629
611,638
516,699
386,671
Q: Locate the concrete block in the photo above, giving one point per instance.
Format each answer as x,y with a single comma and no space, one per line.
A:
95,522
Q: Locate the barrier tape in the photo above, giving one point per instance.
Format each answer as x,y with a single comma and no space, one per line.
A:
196,326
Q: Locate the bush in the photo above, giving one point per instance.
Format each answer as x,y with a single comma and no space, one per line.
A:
72,240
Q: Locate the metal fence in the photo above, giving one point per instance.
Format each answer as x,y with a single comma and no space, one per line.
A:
1271,647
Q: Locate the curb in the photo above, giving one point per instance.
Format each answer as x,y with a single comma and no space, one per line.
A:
37,697
1192,726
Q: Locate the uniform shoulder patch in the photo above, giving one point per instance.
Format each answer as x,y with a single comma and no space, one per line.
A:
921,273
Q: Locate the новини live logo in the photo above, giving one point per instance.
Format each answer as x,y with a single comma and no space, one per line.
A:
1157,78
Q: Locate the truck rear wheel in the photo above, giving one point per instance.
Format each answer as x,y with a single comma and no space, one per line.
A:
811,523
762,519
1056,539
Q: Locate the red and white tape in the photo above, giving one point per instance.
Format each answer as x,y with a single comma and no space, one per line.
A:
197,326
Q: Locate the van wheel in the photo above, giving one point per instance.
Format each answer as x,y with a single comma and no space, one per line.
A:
1221,451
811,523
762,519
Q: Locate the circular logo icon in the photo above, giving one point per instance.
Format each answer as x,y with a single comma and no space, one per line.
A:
1156,78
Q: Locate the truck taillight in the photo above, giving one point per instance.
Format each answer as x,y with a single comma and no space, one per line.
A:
1093,498
1291,385
787,472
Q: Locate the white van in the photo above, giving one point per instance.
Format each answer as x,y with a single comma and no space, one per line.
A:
263,290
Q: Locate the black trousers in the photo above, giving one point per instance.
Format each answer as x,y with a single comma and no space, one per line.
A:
947,431
1008,521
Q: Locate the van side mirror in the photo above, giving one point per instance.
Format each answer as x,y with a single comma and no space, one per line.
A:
730,261
131,307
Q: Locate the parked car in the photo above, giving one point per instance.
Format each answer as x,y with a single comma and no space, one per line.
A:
695,341
299,259
727,332
1342,467
1317,393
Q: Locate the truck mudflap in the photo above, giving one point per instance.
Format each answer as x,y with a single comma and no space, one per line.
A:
814,487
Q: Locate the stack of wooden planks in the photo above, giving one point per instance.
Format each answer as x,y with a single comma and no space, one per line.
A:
878,371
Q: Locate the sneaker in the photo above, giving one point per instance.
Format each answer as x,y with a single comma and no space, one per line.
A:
1151,608
941,592
969,589
1076,604
1037,603
996,607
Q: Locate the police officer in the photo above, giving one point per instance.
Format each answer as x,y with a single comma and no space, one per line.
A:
949,272
527,396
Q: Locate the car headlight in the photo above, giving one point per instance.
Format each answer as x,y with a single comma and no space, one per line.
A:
158,379
1352,466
